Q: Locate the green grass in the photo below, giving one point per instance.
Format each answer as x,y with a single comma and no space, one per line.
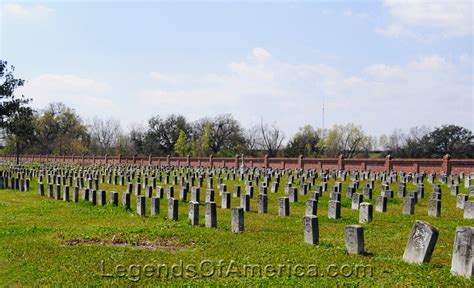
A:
37,233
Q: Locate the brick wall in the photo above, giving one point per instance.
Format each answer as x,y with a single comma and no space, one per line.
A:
378,164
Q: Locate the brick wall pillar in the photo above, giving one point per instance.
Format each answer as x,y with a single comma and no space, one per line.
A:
340,162
265,161
446,166
388,165
300,162
236,163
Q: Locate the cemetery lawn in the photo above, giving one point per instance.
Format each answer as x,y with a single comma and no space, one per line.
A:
48,242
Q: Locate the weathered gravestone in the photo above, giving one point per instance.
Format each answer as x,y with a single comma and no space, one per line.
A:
262,203
102,198
57,194
365,213
126,200
225,200
209,195
462,263
469,210
354,236
85,194
356,200
141,205
461,200
311,207
66,193
434,208
173,209
237,220
138,189
245,202
283,206
193,213
421,243
160,192
93,197
408,206
293,194
311,229
195,194
381,204
334,209
40,187
75,194
114,198
154,206
211,215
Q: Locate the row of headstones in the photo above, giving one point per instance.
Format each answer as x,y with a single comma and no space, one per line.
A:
298,172
390,177
334,206
419,248
15,183
54,191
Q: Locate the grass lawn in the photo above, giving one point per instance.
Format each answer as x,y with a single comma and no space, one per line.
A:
44,241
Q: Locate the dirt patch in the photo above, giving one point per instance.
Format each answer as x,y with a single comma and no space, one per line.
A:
171,244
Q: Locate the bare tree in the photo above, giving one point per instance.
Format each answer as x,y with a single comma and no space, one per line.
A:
271,138
105,135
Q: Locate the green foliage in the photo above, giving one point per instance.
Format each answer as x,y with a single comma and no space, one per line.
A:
450,139
60,130
421,142
181,146
206,140
162,134
11,104
304,142
194,151
347,140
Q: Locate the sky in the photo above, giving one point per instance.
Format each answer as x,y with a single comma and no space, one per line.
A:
382,65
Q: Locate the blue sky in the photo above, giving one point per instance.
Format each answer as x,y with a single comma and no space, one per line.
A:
383,65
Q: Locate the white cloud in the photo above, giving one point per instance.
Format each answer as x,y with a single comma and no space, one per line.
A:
18,10
261,54
449,18
87,96
163,78
429,90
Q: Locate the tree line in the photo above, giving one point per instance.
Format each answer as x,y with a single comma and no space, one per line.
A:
59,130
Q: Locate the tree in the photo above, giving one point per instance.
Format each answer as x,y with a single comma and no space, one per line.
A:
193,151
346,140
226,133
181,146
206,140
20,131
271,138
60,130
162,134
15,117
414,146
10,105
252,140
450,139
304,142
104,135
138,139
